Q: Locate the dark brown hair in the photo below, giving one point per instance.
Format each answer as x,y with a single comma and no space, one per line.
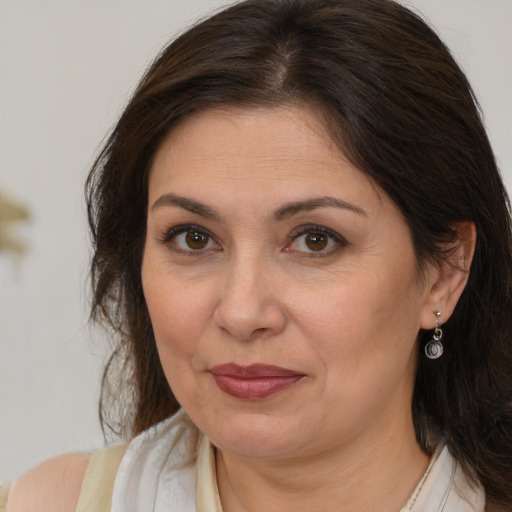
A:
400,108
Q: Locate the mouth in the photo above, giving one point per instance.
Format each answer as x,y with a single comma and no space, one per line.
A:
254,382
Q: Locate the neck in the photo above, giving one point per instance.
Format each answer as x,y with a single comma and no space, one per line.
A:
350,478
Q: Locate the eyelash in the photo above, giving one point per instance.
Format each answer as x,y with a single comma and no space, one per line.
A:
175,231
298,232
315,229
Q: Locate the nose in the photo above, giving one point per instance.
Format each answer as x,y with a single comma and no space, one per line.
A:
249,305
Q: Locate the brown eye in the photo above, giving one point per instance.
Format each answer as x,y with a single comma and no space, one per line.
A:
192,240
196,240
316,241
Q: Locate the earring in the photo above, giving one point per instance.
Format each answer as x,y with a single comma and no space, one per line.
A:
434,348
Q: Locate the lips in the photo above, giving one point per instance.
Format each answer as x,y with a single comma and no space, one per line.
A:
254,382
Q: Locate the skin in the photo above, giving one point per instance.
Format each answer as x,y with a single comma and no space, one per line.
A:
261,284
249,285
56,481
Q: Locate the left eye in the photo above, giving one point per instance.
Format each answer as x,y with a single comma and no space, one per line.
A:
316,241
190,240
195,240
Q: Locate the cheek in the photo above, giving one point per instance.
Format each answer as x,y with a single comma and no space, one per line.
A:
178,314
364,325
177,329
363,336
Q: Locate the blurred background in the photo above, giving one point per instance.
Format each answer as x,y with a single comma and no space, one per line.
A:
67,68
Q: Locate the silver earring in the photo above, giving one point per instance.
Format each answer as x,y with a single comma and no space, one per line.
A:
434,348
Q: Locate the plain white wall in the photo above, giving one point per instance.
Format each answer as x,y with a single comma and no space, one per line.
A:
66,70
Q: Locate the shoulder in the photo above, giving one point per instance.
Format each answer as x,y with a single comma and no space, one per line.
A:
53,485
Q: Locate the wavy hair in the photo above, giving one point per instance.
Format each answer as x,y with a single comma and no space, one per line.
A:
399,107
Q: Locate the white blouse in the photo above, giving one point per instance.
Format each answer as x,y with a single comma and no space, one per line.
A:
171,468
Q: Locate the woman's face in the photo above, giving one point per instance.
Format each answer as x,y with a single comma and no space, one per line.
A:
282,287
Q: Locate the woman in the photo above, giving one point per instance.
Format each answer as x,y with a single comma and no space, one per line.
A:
301,231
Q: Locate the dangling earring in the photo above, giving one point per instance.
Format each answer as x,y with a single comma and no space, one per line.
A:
434,348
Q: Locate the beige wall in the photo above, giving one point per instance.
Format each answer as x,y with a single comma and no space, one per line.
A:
66,69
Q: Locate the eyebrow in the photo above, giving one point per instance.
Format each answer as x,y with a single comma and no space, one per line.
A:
289,210
284,212
187,204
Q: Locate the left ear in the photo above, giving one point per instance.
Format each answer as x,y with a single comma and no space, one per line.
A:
448,280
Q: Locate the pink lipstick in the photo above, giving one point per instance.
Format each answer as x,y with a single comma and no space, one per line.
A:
254,382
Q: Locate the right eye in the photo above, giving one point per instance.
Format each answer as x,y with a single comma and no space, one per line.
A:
190,239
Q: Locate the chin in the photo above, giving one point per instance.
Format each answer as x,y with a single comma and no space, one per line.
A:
256,436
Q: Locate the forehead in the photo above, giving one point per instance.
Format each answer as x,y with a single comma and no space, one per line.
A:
287,146
255,132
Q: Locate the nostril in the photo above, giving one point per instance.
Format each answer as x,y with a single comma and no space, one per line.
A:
259,331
